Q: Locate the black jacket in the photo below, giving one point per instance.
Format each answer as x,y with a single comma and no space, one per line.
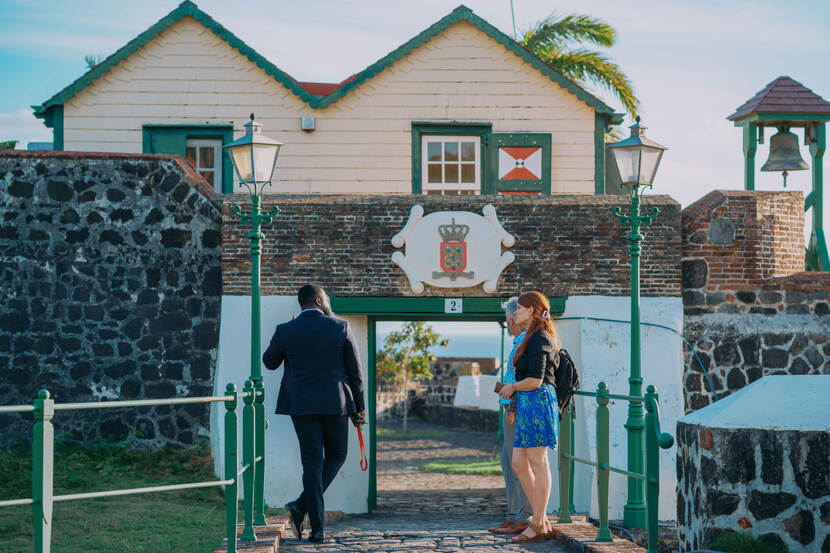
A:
539,359
322,374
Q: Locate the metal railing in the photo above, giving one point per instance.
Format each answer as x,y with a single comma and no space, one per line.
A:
253,421
654,441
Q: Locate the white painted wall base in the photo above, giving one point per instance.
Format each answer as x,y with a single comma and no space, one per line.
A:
477,391
283,480
599,349
601,352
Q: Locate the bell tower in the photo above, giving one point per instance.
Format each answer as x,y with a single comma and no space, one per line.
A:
786,104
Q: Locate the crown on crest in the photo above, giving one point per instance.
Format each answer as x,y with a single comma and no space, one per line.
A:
453,232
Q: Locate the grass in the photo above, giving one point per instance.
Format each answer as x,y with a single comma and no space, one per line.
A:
188,521
395,434
743,542
479,466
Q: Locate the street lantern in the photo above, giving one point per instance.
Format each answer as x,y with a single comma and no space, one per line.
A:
637,157
254,156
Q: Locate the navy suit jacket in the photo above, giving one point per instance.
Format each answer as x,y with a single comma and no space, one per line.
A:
322,374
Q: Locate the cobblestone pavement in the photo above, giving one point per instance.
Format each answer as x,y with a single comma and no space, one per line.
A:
420,512
404,489
379,533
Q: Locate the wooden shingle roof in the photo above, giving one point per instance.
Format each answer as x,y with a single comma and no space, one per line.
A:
785,96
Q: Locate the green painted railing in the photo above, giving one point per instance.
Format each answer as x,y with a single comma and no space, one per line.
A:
654,441
253,420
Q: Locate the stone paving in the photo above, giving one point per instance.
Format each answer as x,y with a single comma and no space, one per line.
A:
422,512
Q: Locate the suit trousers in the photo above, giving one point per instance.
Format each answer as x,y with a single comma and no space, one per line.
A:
324,443
518,507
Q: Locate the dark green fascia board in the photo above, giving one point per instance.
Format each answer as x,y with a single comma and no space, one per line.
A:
187,8
602,122
427,307
471,128
755,117
600,128
53,119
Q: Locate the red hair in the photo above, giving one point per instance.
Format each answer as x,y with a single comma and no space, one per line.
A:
540,320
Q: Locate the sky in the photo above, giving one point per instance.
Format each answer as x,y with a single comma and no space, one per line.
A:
692,62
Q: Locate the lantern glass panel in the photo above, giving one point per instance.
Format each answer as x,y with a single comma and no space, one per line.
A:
649,161
241,157
628,163
265,158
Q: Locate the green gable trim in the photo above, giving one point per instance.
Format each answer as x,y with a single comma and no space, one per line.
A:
461,128
184,9
397,307
54,120
187,8
172,139
463,13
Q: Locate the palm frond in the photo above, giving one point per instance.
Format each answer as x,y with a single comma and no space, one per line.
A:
556,30
585,66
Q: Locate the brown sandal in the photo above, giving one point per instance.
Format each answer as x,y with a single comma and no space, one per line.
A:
540,535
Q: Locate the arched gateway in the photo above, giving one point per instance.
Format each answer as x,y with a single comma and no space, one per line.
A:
567,246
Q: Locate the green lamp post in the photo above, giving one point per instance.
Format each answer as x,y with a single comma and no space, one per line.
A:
637,159
254,158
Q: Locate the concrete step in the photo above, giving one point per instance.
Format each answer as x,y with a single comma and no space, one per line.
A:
580,536
268,536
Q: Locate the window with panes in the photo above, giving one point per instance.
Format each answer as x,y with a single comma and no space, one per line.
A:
451,165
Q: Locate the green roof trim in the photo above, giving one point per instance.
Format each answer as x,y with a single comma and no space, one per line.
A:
188,8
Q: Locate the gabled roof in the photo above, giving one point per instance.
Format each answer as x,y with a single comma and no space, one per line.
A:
783,95
320,95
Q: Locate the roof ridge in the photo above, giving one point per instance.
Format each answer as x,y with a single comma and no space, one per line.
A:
189,8
782,87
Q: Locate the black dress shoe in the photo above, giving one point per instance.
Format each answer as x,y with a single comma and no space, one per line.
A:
297,517
316,536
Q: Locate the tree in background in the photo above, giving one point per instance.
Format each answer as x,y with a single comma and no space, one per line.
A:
555,40
407,355
92,60
8,145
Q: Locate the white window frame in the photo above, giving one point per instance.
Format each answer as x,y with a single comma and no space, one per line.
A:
216,143
451,187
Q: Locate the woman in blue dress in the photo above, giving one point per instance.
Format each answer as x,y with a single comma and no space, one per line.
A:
537,412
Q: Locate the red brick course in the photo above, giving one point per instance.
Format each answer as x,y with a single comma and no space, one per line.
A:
768,237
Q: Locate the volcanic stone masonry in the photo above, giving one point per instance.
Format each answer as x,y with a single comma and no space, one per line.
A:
111,289
750,310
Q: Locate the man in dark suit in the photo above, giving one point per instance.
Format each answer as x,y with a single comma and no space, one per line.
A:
322,387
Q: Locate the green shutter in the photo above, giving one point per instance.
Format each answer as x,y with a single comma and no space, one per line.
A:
519,162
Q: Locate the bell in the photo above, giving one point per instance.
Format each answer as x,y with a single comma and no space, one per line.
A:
784,155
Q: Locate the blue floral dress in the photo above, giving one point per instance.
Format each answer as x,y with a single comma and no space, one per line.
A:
536,418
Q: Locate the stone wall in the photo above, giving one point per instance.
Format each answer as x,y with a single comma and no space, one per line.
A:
565,245
750,310
111,290
772,483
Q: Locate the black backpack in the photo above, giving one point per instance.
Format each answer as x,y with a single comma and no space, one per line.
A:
567,380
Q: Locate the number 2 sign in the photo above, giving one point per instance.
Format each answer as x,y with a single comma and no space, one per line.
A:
453,305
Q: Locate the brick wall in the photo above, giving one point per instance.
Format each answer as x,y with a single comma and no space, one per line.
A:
750,309
566,245
735,239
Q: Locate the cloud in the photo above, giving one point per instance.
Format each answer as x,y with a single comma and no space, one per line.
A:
22,126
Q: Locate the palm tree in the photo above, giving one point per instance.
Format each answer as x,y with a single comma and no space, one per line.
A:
553,39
